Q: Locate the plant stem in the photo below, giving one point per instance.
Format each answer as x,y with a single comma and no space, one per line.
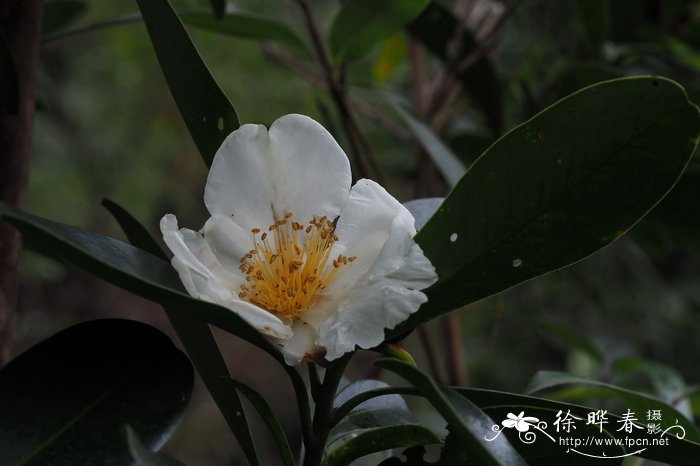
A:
323,415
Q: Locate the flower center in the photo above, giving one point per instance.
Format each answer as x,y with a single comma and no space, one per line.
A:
290,265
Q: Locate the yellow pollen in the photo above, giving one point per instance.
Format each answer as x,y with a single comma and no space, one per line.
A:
288,269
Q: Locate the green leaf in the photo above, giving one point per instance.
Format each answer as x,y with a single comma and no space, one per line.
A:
557,188
247,26
667,381
197,339
66,400
361,24
134,230
209,115
268,417
129,268
60,13
543,451
576,75
638,403
449,165
145,457
465,421
383,411
435,28
379,439
152,278
204,352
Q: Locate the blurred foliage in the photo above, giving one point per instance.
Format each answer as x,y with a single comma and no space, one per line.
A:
107,127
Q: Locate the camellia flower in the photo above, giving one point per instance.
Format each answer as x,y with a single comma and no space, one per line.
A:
295,251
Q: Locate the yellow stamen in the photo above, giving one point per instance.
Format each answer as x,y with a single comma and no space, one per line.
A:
287,273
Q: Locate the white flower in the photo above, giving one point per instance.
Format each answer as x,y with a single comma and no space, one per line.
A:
292,249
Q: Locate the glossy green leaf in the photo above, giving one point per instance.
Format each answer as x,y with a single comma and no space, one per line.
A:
66,400
361,24
60,13
145,457
557,188
206,357
371,413
246,26
465,421
268,416
198,341
130,268
435,28
639,403
379,439
383,411
449,165
209,115
135,232
579,74
543,451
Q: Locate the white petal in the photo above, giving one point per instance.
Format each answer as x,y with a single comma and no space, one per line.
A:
259,318
192,250
364,315
300,344
386,295
228,241
363,228
313,172
296,167
205,278
240,184
401,260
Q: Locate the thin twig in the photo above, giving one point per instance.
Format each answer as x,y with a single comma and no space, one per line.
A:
451,86
337,91
314,77
96,26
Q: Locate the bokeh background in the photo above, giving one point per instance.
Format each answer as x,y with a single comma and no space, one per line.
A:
107,128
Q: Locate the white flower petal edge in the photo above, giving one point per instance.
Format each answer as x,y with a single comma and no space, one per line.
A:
287,167
205,278
385,296
293,173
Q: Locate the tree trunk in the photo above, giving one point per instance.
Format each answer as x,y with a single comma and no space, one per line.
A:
20,28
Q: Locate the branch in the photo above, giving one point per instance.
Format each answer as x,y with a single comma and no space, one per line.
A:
20,27
355,137
309,74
